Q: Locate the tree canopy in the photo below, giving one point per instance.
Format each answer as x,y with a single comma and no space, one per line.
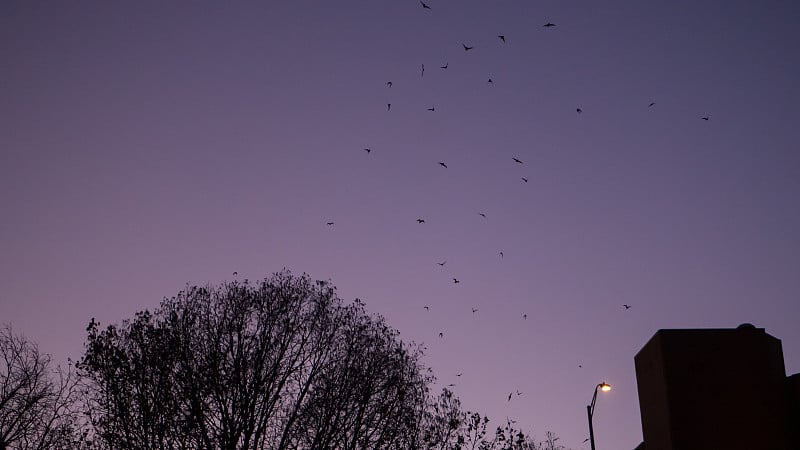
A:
282,363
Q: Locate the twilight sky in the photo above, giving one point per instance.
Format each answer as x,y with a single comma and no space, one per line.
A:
146,145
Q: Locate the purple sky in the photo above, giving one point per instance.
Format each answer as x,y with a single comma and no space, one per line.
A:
148,145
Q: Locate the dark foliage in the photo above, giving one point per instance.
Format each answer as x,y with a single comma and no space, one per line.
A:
279,364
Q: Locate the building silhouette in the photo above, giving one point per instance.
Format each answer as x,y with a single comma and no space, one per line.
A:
717,389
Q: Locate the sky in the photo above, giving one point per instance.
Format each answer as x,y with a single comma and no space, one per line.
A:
146,145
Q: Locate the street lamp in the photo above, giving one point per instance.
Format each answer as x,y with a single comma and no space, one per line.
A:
605,387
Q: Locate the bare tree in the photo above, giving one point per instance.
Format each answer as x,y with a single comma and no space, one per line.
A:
446,426
279,364
37,400
370,393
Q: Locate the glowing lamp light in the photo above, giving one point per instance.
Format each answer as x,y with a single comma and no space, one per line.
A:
605,387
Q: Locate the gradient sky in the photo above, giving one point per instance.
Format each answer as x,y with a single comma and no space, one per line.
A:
146,145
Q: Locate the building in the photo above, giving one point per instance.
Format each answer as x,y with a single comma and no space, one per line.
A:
717,389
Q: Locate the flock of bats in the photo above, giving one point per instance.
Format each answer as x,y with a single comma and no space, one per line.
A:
468,48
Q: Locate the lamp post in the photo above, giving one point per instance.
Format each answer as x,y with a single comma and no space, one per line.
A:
590,408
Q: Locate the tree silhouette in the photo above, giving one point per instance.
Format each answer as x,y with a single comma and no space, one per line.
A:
448,427
37,401
280,364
